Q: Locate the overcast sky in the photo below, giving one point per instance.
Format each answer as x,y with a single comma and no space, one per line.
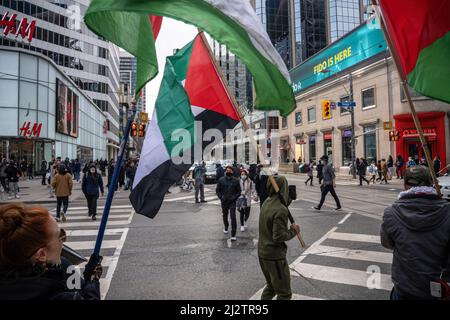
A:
173,35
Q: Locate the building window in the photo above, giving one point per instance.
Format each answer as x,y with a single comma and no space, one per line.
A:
368,98
273,123
312,148
311,114
298,118
347,147
284,122
370,143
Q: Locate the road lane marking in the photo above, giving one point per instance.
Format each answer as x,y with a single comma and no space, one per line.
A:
71,217
85,245
85,233
346,253
341,275
257,296
345,218
354,237
91,223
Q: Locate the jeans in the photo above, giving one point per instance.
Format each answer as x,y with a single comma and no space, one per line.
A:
199,186
77,176
310,178
325,190
227,208
65,202
92,204
43,179
245,214
13,189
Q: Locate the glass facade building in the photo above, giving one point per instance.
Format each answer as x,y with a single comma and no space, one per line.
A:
62,36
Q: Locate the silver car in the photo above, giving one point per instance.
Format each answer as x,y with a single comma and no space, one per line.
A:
444,183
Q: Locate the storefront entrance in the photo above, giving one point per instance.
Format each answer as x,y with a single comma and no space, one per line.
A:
33,151
415,150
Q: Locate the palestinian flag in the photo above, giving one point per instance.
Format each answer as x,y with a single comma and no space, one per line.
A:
233,23
191,100
420,30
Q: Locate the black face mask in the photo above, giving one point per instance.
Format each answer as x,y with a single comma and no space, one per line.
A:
229,174
293,192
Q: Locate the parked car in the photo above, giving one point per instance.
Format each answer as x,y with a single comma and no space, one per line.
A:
210,176
444,183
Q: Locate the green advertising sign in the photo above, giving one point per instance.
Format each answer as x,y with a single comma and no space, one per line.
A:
359,45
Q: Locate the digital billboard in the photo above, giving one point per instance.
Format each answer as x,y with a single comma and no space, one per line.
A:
67,105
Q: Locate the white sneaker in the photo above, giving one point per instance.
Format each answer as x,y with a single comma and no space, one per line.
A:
9,198
242,228
17,197
233,239
225,231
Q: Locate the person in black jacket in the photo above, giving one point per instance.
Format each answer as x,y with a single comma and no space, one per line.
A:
219,171
130,173
261,185
13,174
44,172
320,171
31,266
228,190
111,167
91,184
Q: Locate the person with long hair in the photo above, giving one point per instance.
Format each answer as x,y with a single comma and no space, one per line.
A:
31,266
62,183
91,184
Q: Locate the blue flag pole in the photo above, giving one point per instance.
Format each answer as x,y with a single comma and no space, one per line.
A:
113,183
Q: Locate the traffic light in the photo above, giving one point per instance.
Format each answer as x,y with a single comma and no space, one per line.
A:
134,129
326,109
394,135
141,130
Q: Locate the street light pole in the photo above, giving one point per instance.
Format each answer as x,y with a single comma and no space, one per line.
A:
352,115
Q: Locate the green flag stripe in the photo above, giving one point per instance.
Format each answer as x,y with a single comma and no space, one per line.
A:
431,74
273,91
173,107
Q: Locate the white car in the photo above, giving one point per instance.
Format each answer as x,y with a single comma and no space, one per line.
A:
444,183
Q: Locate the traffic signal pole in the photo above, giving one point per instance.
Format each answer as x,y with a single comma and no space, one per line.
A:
352,115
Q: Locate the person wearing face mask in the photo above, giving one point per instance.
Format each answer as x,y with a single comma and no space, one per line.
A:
31,266
91,184
245,200
273,233
228,190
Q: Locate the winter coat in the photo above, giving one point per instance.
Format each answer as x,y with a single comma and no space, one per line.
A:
273,223
362,168
247,188
43,168
220,172
199,174
228,189
3,167
13,173
417,228
91,183
319,170
62,183
29,284
131,172
261,187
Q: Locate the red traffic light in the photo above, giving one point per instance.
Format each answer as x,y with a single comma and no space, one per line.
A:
142,130
134,129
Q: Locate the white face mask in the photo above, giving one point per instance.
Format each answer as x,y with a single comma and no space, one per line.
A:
92,170
243,177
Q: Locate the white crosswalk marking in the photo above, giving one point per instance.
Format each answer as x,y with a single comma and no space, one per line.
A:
362,248
82,234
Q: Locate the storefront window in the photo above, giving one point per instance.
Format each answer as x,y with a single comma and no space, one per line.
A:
347,147
312,148
328,143
370,143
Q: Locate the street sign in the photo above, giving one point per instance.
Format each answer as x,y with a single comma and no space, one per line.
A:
387,125
143,116
347,104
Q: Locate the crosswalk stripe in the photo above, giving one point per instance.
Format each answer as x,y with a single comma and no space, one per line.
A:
257,296
85,233
354,237
91,223
362,255
102,207
341,275
84,245
85,217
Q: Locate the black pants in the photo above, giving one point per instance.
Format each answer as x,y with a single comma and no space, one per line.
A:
309,179
92,204
245,214
320,179
361,178
43,180
227,208
325,190
61,201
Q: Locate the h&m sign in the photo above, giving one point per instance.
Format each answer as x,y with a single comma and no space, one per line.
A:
22,28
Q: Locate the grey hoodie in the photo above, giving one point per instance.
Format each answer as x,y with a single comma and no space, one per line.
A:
417,228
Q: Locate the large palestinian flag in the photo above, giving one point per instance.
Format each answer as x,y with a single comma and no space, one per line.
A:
233,23
191,100
420,30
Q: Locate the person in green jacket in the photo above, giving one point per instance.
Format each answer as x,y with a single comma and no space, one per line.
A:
272,249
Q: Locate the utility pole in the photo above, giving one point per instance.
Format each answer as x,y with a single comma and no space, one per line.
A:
352,114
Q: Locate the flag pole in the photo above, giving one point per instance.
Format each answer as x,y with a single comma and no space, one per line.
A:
245,125
404,83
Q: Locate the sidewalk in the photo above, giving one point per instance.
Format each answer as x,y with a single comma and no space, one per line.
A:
33,192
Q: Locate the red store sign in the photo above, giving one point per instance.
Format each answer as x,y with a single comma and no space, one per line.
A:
412,133
24,29
28,131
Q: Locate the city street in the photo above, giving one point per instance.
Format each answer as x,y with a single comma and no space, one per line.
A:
183,253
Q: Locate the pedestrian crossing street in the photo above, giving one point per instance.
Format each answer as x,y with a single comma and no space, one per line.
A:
362,252
82,234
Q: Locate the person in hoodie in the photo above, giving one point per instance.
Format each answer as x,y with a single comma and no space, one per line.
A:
417,228
272,249
91,184
31,266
